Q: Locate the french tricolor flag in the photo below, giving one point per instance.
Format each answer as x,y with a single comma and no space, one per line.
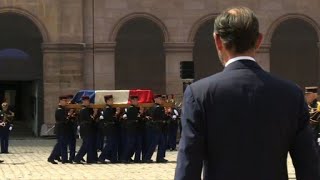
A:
119,96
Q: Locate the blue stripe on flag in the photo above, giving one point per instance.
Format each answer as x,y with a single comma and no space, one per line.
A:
91,93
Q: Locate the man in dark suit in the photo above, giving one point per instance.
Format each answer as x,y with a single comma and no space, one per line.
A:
241,123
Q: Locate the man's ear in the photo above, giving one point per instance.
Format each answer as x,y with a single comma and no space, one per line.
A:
218,41
259,41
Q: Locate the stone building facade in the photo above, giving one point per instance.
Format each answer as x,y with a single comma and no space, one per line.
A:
126,44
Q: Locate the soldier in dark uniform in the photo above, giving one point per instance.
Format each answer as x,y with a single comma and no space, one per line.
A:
172,129
133,139
110,129
157,124
100,136
2,125
72,129
87,123
8,119
61,132
121,123
311,95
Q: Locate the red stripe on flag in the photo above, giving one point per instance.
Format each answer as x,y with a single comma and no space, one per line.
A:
145,96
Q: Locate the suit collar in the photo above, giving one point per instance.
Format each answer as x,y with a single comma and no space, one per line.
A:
239,58
242,64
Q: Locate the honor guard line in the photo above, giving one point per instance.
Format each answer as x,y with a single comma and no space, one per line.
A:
101,106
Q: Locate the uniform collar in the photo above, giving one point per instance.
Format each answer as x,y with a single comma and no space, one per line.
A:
239,58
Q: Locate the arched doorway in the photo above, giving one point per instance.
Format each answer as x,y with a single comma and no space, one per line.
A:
294,54
205,56
140,57
21,78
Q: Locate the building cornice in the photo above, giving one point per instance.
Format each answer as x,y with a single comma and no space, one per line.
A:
63,47
178,46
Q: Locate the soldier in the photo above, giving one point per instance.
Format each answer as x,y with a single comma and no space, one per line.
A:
122,131
61,132
8,119
2,127
133,139
172,129
311,95
110,126
86,120
100,139
72,129
157,125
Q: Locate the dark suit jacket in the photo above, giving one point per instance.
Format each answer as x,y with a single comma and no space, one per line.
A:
241,123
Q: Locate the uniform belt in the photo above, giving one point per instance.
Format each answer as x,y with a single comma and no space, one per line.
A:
110,122
132,121
160,121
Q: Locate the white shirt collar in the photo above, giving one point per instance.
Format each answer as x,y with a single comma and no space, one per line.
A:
239,58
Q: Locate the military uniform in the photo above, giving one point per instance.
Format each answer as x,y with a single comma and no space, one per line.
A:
7,116
72,125
133,143
62,135
110,127
101,137
86,121
314,114
173,129
72,134
157,128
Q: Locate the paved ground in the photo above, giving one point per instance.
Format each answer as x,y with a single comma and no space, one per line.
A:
28,160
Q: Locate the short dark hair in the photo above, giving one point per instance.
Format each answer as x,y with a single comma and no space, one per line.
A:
238,28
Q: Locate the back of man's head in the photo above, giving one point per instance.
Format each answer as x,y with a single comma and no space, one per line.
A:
238,28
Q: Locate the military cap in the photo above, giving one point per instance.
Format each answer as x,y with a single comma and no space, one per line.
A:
63,97
164,96
85,98
311,90
157,96
134,97
70,96
107,97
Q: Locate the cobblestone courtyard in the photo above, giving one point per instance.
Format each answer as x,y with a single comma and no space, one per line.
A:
28,160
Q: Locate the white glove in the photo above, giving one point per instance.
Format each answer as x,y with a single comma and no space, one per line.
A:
124,116
78,128
174,117
176,112
101,117
10,128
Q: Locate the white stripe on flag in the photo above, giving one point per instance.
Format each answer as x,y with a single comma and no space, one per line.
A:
119,96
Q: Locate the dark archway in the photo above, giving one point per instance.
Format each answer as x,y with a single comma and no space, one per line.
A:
205,56
140,56
294,54
21,79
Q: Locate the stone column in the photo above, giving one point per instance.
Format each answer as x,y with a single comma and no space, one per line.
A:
263,56
175,53
62,74
104,66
